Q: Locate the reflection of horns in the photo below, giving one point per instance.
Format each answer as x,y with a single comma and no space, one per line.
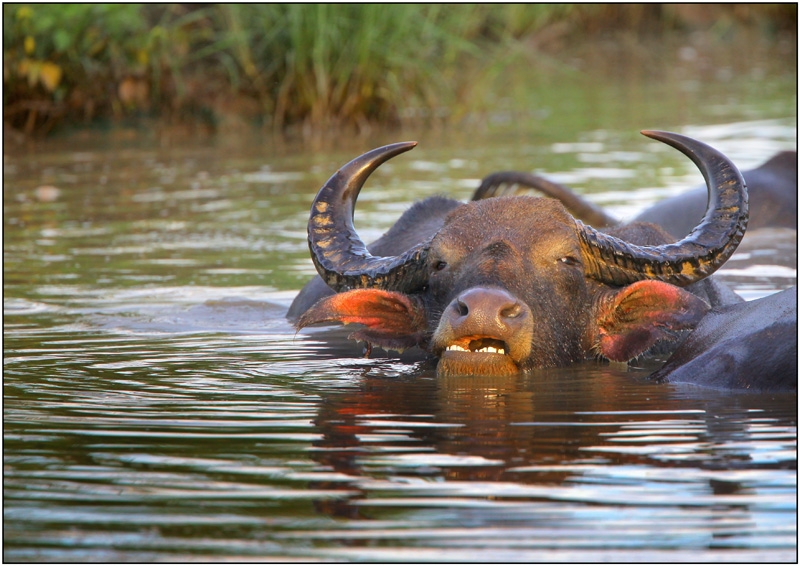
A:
504,183
341,258
699,254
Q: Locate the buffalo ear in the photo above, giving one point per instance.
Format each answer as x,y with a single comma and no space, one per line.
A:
637,316
393,321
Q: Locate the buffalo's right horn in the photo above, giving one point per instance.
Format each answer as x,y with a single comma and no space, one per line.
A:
341,258
698,255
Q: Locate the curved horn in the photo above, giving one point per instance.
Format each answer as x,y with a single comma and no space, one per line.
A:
504,183
696,256
341,258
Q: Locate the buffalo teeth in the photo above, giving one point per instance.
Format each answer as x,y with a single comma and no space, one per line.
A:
486,349
492,350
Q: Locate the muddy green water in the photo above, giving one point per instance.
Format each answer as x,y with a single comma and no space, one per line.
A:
157,406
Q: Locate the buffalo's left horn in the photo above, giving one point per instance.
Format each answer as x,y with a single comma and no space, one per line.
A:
696,256
341,258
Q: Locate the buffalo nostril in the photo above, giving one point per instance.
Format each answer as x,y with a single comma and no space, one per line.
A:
512,311
487,305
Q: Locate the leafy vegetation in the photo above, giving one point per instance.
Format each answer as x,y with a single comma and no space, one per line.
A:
314,66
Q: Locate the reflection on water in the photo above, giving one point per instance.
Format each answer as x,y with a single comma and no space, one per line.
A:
144,447
157,406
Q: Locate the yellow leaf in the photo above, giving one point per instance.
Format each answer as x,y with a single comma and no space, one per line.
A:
30,44
33,69
142,57
50,75
24,13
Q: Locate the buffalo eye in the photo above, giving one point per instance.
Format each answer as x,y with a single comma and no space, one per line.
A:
569,260
439,265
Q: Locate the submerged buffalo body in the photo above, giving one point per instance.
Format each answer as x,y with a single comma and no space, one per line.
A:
750,345
502,285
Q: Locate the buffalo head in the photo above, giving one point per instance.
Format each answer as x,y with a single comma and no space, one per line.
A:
513,283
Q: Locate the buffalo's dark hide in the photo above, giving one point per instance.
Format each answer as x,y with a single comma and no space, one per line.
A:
750,345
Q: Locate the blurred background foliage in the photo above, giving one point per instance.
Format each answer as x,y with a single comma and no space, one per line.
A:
309,67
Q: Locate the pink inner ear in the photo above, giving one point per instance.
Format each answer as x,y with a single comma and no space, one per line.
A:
393,320
371,307
643,313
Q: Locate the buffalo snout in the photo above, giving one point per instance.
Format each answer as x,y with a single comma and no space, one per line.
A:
489,311
484,327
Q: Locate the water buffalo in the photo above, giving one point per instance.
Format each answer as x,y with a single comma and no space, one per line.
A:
502,285
771,189
750,345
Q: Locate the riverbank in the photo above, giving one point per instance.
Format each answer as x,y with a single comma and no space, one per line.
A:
304,71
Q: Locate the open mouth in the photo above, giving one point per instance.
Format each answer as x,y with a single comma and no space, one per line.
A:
476,355
479,345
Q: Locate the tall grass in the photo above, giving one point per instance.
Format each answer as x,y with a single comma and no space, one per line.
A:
350,63
314,65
